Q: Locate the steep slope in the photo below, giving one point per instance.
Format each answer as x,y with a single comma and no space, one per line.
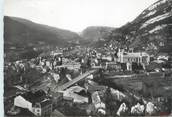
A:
21,32
93,34
22,36
150,31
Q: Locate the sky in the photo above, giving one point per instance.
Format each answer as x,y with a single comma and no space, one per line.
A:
76,15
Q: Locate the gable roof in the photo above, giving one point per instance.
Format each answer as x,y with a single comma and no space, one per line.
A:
162,54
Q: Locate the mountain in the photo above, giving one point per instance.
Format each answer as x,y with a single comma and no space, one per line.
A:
150,31
18,31
94,34
21,36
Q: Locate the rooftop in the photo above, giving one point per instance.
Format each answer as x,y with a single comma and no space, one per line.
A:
136,54
57,113
34,97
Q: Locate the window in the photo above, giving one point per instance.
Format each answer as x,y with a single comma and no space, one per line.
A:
38,114
37,106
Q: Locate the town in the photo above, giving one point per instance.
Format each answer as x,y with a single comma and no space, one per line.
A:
85,81
90,58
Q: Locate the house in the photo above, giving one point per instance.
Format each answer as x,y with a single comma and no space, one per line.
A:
56,53
35,102
107,58
138,57
162,56
92,86
117,94
154,66
113,66
98,104
56,98
71,94
43,108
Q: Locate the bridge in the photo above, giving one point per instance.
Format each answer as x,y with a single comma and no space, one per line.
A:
75,80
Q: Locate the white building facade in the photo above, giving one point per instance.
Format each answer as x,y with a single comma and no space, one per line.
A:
138,57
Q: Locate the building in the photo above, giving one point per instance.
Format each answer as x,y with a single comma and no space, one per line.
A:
36,102
98,104
56,98
137,57
71,94
92,86
163,56
113,66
